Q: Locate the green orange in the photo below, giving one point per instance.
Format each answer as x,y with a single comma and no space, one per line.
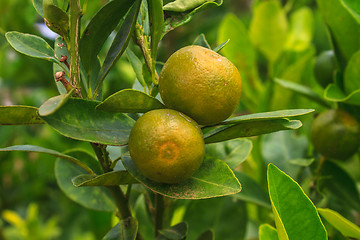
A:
200,83
166,146
335,134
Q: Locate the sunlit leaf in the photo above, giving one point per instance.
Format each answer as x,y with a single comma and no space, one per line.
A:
51,105
352,74
296,217
335,94
346,227
267,232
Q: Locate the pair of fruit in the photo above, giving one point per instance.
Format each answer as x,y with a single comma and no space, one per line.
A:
200,87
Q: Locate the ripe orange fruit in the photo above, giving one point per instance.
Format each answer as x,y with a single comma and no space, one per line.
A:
200,83
335,134
166,146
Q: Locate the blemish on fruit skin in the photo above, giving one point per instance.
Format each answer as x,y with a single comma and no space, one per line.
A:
168,151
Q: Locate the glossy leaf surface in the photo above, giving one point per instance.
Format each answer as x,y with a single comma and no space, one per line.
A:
267,232
19,115
97,198
99,29
353,7
124,230
31,45
248,129
130,101
352,74
213,179
183,5
114,178
78,119
346,227
295,215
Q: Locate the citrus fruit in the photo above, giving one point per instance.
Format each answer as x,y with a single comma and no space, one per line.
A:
166,146
200,83
324,69
335,134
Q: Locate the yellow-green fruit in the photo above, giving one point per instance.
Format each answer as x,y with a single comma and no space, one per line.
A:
335,134
200,83
166,146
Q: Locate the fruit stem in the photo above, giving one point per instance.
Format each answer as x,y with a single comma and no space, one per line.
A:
75,14
159,214
121,201
141,41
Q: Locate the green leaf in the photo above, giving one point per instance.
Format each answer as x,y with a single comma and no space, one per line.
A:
125,230
232,152
295,215
184,5
227,217
251,191
99,29
268,29
38,7
114,178
130,101
335,94
78,119
36,149
344,27
302,90
221,46
19,115
55,18
352,74
51,105
346,227
201,41
282,148
137,66
156,18
97,198
213,179
339,183
353,7
207,235
267,232
280,114
120,41
248,129
177,19
31,45
301,30
176,232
